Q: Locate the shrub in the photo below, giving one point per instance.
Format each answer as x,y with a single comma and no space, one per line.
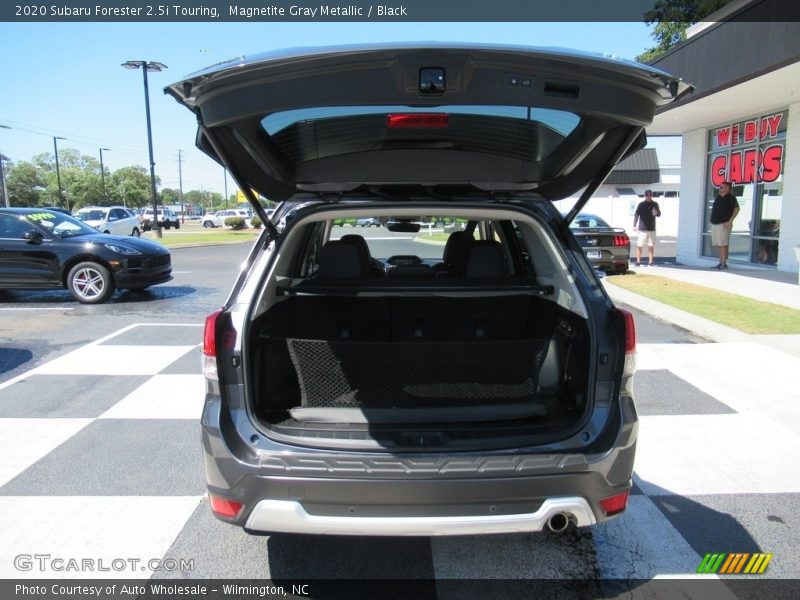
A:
235,223
255,222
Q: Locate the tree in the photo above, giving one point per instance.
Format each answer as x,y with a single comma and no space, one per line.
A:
130,186
24,183
672,18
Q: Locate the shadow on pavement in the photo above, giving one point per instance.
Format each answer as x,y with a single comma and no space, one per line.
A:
11,358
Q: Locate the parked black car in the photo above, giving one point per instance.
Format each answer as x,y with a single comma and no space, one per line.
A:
481,386
607,248
41,248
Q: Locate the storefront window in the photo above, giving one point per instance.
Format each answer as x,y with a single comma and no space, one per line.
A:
750,154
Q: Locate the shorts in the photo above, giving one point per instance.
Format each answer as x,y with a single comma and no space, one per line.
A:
721,234
646,236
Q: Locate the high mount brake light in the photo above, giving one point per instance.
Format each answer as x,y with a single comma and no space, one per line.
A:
417,120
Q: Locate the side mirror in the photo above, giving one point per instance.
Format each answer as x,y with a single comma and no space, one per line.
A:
33,237
600,274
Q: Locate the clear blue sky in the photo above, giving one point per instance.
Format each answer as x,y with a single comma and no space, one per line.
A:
65,79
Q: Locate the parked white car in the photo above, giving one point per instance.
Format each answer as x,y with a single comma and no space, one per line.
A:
217,219
116,220
166,218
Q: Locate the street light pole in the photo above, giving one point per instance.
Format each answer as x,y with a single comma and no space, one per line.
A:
58,172
3,174
103,174
145,67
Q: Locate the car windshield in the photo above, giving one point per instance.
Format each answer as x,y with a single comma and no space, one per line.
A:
587,221
59,224
95,214
427,244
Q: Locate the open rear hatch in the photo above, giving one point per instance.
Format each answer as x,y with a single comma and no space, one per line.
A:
333,120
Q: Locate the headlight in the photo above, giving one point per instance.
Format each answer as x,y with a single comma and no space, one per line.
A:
120,249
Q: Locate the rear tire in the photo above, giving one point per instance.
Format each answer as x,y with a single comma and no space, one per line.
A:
208,224
177,224
90,283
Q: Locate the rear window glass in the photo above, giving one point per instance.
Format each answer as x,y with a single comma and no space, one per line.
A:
527,133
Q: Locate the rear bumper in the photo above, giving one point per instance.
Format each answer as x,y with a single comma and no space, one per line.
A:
295,491
290,516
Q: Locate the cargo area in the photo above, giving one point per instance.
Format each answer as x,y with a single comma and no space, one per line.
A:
409,370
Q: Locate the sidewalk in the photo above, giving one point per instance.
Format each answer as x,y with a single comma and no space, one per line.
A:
763,285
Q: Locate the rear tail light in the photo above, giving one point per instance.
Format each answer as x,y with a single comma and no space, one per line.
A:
227,509
630,342
621,240
417,120
615,504
215,341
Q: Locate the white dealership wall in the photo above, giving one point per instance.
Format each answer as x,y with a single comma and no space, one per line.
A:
617,210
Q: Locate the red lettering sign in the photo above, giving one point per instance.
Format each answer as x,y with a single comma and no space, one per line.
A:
773,122
723,137
748,166
771,164
718,170
750,131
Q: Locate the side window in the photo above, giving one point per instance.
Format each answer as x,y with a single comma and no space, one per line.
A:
12,227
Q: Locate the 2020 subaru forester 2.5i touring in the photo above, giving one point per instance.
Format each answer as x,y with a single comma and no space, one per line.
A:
473,378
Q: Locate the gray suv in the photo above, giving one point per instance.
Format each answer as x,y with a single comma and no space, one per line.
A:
411,381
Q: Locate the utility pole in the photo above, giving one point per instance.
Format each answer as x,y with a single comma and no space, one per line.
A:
103,174
58,171
180,185
3,175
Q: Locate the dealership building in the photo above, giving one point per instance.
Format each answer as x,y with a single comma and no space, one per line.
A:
741,124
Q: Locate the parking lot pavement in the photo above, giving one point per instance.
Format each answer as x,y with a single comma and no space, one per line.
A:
102,462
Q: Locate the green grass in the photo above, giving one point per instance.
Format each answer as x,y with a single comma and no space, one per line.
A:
433,237
739,312
215,236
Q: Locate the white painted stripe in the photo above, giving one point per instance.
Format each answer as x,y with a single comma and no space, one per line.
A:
40,308
170,324
114,360
716,454
162,397
99,528
24,441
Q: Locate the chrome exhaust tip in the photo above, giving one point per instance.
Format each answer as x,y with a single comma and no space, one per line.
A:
558,522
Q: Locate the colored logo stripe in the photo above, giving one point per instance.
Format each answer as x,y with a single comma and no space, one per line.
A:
735,563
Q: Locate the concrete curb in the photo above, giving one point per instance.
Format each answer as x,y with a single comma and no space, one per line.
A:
698,325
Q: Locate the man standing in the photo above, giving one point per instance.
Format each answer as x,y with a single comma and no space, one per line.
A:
644,221
723,212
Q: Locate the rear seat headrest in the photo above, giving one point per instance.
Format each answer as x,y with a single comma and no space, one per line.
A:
485,259
340,260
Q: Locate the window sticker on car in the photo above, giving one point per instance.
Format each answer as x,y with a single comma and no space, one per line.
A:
40,216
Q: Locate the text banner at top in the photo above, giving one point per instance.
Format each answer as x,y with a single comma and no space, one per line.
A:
310,11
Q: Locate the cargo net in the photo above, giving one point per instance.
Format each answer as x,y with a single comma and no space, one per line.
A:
416,375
